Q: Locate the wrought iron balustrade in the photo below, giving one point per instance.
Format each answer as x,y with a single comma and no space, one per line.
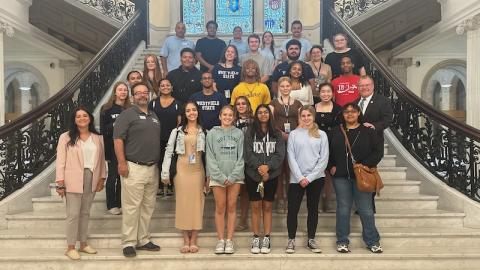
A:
28,145
348,9
446,147
120,10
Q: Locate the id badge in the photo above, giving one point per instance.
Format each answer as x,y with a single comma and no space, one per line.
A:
192,159
227,93
286,126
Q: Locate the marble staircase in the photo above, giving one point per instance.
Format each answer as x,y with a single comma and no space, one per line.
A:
416,234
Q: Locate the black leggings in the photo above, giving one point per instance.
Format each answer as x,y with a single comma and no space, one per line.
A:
295,197
113,186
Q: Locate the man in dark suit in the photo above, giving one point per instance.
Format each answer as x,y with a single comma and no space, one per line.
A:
376,110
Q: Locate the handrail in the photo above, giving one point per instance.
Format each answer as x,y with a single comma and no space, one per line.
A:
449,149
403,90
70,88
28,145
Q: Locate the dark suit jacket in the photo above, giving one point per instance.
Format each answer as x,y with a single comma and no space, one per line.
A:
379,113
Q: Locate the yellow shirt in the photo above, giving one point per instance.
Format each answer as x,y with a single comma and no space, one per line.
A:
257,93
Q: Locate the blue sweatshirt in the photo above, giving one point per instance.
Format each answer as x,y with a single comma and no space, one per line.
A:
307,156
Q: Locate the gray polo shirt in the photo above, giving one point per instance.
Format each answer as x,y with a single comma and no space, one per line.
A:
140,133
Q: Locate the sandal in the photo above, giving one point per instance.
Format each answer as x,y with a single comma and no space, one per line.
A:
185,249
193,248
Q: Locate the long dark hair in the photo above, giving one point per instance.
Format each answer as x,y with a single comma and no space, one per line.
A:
223,58
272,45
302,79
73,131
183,116
354,106
256,127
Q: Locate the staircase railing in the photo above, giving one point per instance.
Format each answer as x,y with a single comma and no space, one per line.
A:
28,145
446,147
120,10
349,9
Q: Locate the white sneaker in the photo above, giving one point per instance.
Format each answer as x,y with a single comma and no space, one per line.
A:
220,247
229,247
255,249
312,245
114,211
265,245
290,246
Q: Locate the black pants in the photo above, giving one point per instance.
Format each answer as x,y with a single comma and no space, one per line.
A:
295,197
113,186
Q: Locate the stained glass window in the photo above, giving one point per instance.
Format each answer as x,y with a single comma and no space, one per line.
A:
193,15
231,13
275,15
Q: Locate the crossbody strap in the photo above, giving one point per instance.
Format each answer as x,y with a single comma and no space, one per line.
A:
347,143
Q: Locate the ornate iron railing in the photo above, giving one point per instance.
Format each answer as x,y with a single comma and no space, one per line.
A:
446,147
28,145
120,10
348,9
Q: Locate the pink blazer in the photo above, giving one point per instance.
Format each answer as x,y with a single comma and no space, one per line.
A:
69,163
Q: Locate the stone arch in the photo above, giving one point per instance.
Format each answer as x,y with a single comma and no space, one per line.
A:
453,67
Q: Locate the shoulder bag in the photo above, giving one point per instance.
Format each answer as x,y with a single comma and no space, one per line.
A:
368,179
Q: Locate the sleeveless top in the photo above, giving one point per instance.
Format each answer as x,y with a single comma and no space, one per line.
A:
280,114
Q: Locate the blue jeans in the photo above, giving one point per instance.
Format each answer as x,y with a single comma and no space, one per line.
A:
346,192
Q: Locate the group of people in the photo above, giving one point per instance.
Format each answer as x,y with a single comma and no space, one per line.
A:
260,126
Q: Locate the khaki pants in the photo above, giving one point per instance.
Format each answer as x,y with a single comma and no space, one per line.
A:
139,192
78,211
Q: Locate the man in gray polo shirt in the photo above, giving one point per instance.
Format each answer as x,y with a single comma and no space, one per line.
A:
136,135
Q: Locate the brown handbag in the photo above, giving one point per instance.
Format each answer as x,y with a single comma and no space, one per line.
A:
368,179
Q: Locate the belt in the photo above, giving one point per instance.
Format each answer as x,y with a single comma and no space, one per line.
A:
143,163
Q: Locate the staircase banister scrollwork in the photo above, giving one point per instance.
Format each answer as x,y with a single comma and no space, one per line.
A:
28,144
70,88
448,148
403,90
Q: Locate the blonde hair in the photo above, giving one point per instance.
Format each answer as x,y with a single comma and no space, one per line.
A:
313,131
283,79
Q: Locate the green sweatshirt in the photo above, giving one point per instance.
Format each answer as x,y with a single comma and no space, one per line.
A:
225,155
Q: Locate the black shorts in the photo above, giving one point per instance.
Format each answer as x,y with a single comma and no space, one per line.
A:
270,188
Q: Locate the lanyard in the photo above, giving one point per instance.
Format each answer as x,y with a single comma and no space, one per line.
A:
286,108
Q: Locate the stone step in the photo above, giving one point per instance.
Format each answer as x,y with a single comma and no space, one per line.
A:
387,201
390,237
164,203
411,258
392,218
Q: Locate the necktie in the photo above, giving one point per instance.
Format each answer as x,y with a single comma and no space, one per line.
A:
362,104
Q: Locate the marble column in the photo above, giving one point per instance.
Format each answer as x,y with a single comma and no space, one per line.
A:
399,68
5,28
71,68
472,27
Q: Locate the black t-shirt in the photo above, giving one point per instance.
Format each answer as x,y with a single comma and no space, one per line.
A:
167,116
107,119
283,68
211,50
334,59
210,106
185,83
226,79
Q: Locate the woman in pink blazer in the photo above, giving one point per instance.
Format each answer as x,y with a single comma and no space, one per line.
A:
80,172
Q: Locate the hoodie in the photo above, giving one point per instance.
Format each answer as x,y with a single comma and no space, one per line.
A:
225,155
267,150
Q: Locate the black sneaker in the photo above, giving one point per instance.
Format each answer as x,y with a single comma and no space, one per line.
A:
149,246
129,252
160,192
169,192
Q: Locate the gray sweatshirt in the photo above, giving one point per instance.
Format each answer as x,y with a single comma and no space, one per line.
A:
225,155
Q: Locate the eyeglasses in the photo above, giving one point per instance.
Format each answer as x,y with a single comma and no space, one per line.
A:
350,111
141,94
207,78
